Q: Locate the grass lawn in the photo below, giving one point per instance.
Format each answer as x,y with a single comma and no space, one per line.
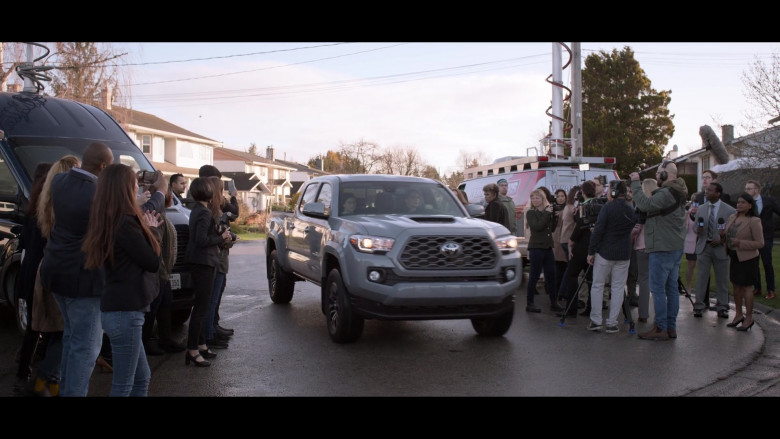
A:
249,236
775,303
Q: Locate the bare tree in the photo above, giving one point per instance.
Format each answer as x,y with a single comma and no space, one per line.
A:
252,148
11,55
471,159
430,171
762,90
86,71
402,161
360,157
454,179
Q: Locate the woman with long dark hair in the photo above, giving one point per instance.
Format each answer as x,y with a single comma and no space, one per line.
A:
119,238
203,256
744,237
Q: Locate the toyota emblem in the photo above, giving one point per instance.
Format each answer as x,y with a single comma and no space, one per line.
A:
450,249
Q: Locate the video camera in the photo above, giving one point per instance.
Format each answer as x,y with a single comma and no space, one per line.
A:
224,224
588,213
146,180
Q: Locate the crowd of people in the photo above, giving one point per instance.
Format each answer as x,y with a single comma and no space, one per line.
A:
98,254
99,251
636,242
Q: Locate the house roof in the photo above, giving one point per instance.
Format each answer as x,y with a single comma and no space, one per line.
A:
252,157
314,172
146,120
170,169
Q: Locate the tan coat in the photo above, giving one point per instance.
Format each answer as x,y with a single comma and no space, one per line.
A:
46,316
749,234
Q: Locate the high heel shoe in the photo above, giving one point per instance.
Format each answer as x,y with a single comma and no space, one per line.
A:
104,365
206,353
734,324
189,358
746,328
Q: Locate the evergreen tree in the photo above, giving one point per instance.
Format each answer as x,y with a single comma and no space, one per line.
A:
622,115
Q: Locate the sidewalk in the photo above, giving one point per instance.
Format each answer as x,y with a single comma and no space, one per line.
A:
761,376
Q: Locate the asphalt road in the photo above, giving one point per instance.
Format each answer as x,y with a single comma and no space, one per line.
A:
284,350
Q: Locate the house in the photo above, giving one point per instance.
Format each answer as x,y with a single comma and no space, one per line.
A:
171,148
731,176
263,182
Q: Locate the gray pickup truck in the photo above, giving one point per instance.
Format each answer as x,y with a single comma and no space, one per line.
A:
389,247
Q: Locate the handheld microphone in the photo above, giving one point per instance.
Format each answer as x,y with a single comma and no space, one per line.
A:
721,224
700,222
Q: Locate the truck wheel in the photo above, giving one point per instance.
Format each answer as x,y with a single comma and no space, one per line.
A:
280,283
494,326
179,316
343,325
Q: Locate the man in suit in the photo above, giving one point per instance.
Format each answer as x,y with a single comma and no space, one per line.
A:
767,208
76,290
711,251
707,177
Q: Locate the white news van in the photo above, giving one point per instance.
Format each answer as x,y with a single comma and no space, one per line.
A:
524,174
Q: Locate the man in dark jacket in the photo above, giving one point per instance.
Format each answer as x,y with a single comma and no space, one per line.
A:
609,252
767,209
76,290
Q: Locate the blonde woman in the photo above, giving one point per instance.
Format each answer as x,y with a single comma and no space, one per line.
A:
45,208
541,223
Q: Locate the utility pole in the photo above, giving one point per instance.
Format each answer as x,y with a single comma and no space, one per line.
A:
556,132
576,101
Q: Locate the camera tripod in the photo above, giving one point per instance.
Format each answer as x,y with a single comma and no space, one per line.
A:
684,290
629,319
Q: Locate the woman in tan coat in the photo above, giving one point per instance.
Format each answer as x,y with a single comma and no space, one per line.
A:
744,238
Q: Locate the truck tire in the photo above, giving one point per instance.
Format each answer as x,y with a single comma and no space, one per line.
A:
280,283
179,316
343,325
494,326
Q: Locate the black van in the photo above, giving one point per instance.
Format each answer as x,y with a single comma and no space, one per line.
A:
35,128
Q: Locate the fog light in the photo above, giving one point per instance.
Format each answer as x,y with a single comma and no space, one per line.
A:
510,274
374,276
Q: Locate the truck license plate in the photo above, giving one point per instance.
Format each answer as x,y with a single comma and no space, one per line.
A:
175,279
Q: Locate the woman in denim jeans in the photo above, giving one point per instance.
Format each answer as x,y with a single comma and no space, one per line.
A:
120,239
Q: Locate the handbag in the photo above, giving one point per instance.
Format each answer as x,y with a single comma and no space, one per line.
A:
46,315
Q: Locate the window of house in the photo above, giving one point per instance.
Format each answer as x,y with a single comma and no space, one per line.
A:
146,144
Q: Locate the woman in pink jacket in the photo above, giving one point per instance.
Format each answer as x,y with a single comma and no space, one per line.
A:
690,243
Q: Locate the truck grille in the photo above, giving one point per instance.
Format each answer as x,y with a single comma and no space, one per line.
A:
182,237
425,253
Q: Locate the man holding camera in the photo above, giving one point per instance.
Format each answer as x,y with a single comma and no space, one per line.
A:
711,252
664,233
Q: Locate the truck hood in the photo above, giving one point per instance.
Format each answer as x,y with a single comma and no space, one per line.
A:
392,226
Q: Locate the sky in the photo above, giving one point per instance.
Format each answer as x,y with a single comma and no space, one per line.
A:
439,98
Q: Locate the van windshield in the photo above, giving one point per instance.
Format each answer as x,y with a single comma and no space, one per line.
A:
33,150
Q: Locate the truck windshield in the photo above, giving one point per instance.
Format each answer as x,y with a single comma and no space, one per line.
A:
397,198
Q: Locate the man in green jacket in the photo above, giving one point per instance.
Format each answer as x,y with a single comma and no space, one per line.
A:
665,231
503,187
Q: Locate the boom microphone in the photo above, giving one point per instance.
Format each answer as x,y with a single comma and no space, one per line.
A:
710,141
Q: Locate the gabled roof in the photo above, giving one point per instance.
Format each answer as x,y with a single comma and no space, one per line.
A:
146,120
247,157
314,172
247,181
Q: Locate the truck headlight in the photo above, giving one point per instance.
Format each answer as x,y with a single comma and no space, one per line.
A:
371,244
506,243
